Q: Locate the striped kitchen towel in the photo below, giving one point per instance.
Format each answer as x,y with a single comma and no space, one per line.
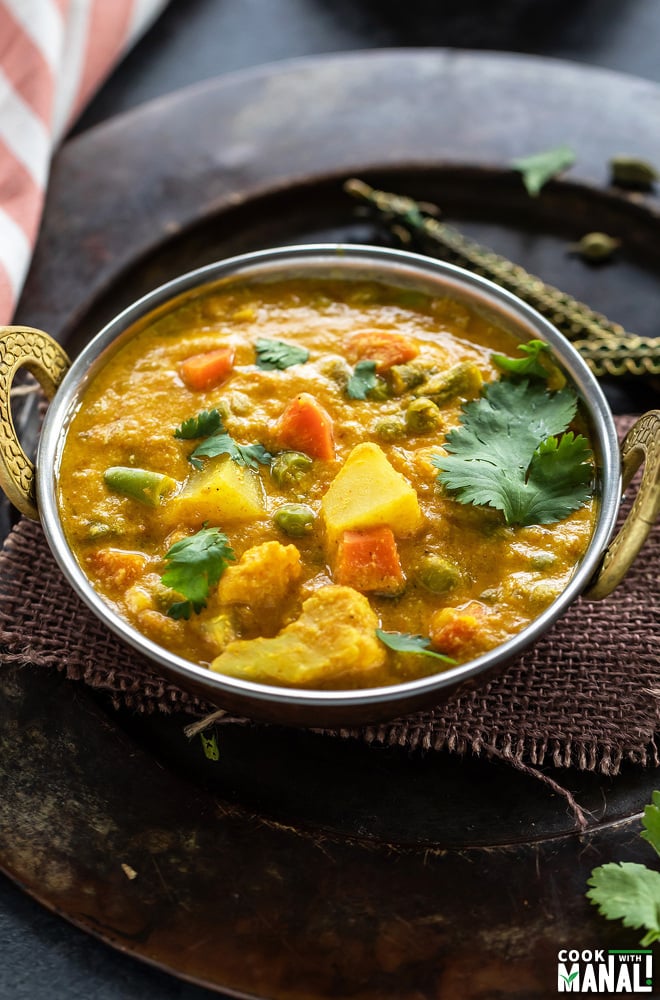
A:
54,54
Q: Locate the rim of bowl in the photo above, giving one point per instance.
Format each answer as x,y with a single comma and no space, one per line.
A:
393,266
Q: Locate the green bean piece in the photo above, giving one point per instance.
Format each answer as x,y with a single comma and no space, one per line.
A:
403,378
289,467
437,574
463,379
423,416
390,429
294,519
141,484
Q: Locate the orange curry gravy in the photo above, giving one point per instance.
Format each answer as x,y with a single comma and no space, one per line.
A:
382,546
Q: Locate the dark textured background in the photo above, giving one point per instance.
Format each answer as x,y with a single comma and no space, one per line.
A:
42,956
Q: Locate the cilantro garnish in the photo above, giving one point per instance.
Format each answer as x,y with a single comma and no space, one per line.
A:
362,380
651,823
506,454
208,424
404,642
252,455
276,354
205,423
628,891
529,366
539,168
194,565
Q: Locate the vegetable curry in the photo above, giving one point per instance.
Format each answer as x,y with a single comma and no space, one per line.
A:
327,483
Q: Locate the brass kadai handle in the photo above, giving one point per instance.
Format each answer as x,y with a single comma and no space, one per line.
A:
641,444
24,347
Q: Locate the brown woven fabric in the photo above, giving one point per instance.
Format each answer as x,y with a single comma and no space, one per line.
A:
583,696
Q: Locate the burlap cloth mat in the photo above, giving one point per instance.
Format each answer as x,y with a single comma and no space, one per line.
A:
586,695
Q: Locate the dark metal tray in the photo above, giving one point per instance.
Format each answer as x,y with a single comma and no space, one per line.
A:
300,866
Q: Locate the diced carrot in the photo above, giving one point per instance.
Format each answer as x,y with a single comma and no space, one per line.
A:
460,632
369,561
384,347
306,426
204,371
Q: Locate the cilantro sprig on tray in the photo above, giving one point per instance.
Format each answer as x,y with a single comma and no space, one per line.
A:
194,565
539,168
628,891
514,452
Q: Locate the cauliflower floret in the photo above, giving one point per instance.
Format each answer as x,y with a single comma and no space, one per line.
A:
263,576
333,642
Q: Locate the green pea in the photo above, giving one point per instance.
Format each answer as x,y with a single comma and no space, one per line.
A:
437,574
142,484
289,467
390,429
423,416
295,519
99,529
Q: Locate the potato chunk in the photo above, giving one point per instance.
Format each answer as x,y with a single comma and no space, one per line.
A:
263,576
332,642
368,492
223,492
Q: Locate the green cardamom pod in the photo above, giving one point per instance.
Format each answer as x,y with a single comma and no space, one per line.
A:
596,246
629,171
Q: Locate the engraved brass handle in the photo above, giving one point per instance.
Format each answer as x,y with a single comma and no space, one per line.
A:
641,444
24,347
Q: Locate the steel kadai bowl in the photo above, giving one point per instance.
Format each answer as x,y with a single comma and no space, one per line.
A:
34,488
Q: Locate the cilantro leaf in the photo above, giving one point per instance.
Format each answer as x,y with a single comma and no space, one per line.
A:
276,354
362,380
404,642
505,454
528,366
209,425
204,424
539,168
558,480
223,443
651,822
194,565
181,610
629,892
210,746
